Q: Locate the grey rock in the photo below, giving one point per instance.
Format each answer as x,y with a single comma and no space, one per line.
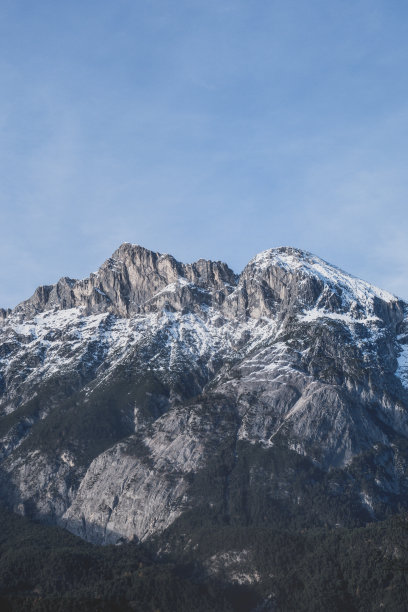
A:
123,395
127,282
4,312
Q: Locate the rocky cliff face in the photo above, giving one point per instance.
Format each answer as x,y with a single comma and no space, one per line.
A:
134,280
154,391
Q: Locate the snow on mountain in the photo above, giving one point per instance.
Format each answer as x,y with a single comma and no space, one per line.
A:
352,289
146,374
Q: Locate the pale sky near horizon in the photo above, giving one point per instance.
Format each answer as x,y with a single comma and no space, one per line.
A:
202,128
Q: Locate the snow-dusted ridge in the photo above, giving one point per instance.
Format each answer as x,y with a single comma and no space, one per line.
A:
210,330
353,288
193,360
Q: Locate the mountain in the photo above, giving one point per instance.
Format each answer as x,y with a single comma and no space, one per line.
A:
155,397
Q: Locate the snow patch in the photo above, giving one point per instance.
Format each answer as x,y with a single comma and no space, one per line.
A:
367,502
317,313
68,459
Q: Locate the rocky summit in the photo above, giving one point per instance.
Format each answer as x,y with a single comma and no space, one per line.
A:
155,394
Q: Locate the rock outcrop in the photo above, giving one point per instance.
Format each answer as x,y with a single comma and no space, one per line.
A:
128,281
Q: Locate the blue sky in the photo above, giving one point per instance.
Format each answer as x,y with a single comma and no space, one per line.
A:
206,128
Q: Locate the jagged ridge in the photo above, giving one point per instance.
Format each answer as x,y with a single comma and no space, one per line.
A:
121,392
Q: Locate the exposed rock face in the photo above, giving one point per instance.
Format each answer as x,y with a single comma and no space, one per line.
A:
156,389
127,282
4,313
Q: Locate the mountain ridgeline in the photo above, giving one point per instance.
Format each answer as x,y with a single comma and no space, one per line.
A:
156,396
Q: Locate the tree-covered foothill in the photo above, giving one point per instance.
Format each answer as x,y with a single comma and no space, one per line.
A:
45,568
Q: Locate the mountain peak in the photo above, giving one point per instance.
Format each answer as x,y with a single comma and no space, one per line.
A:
287,279
130,281
119,390
306,263
128,248
135,279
